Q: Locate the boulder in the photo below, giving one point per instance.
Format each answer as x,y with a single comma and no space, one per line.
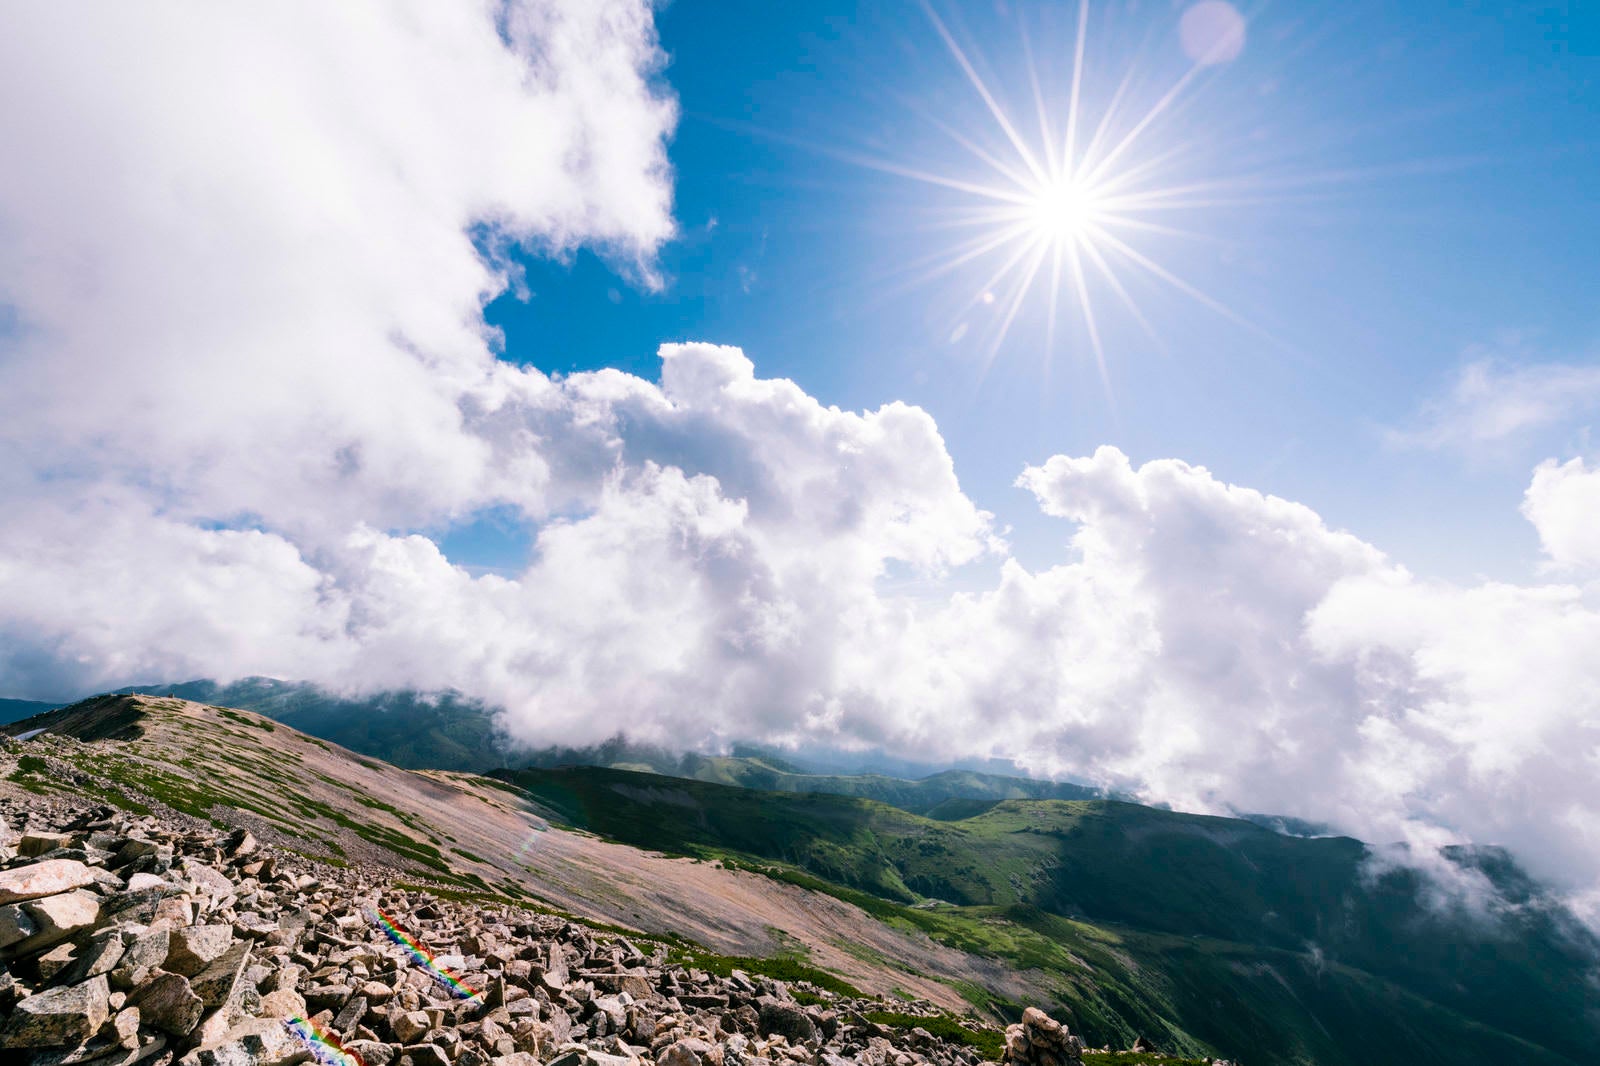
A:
786,1019
99,955
257,1042
45,878
15,926
35,844
1040,1040
69,1014
53,962
142,955
195,947
219,981
283,1003
57,917
168,1003
410,1026
424,1055
686,1052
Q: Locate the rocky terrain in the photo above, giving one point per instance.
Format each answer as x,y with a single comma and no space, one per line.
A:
142,938
461,831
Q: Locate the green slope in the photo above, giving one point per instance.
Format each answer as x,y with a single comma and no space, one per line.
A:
1209,935
921,796
409,729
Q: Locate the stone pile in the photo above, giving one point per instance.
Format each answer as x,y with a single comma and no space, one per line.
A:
1040,1040
143,939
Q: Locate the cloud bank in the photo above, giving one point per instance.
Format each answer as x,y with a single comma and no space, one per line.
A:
244,371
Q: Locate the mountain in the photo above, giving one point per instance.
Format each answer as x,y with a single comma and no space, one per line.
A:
15,710
462,836
1216,932
955,793
441,731
448,731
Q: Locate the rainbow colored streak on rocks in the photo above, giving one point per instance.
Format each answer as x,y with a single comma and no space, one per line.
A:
324,1047
422,955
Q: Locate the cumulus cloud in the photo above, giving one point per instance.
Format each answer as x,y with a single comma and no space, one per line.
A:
239,242
1563,503
1493,402
245,364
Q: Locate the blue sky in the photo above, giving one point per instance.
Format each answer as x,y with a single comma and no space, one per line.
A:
1434,204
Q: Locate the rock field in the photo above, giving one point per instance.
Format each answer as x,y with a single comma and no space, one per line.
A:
161,939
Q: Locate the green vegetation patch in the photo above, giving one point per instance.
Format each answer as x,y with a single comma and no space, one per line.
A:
989,1043
779,968
257,723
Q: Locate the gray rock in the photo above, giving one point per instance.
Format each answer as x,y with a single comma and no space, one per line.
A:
143,955
168,1003
283,1003
424,1055
257,1042
219,982
785,1019
70,1014
53,962
15,926
55,918
35,844
350,1014
372,1052
688,1052
410,1026
195,947
99,955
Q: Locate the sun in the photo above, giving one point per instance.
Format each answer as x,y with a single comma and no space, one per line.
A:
1069,213
1063,210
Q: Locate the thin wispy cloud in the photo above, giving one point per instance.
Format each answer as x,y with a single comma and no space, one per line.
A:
1494,403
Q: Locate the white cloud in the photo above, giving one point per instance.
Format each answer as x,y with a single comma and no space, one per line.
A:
251,358
1563,503
1493,403
238,241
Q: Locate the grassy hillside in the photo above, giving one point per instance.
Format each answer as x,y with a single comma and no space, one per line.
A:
446,731
409,729
1202,933
922,796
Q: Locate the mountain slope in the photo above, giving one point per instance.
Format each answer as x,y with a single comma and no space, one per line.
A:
447,731
1245,938
443,731
463,834
921,796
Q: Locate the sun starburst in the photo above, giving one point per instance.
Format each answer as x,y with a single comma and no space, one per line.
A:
1065,212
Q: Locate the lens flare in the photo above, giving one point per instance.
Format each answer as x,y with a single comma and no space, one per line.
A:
324,1047
421,955
1069,211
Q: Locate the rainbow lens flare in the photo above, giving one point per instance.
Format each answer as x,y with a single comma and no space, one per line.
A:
421,955
324,1047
